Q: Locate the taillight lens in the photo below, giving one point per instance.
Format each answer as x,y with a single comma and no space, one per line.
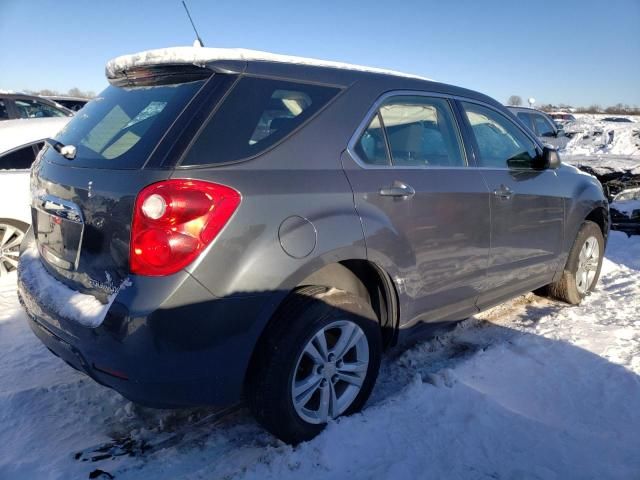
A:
173,222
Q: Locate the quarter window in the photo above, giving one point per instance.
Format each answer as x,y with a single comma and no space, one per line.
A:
500,142
256,114
420,132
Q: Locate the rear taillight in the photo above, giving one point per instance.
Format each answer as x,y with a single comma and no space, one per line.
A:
173,222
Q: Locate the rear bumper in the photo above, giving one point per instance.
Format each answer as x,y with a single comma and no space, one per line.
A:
181,353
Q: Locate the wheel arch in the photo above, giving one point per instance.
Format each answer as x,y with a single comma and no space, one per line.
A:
600,216
357,276
366,280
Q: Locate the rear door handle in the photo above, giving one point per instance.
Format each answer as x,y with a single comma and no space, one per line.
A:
503,192
398,189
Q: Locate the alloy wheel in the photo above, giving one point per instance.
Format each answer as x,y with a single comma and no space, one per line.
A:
10,239
588,262
330,372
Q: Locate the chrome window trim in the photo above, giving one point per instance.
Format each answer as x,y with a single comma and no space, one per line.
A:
351,146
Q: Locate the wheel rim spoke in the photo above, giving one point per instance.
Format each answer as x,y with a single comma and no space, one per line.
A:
304,390
321,345
328,402
313,352
7,234
350,378
348,339
11,261
353,367
15,242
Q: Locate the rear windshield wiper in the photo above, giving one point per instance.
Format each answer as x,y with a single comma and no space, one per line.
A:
67,151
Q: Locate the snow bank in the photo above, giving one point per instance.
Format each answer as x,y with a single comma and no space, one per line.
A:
85,309
593,136
525,409
532,389
202,56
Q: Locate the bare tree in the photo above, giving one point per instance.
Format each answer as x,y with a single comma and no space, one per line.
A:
515,100
76,92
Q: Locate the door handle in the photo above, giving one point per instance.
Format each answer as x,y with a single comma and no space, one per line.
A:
503,192
398,189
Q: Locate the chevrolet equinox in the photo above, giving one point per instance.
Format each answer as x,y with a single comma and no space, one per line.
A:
222,224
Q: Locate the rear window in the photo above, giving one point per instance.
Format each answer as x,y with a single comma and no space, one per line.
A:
256,114
122,126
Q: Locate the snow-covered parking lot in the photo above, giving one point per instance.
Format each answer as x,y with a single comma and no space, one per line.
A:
531,389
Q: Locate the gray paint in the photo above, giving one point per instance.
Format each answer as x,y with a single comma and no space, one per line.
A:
449,250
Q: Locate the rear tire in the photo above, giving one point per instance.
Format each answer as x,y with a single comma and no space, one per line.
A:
583,266
11,234
319,360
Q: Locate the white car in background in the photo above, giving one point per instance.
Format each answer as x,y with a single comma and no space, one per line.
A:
20,142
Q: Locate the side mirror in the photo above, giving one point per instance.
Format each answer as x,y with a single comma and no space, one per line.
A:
550,158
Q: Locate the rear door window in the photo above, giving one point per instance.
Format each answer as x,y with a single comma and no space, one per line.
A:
121,127
501,143
254,116
421,132
412,131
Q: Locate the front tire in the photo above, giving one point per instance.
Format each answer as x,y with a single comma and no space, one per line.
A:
583,266
319,360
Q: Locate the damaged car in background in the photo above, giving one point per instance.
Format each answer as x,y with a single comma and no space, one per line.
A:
620,179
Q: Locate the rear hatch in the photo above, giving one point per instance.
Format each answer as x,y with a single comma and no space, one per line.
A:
127,138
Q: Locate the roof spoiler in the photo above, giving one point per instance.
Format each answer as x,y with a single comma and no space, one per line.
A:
169,74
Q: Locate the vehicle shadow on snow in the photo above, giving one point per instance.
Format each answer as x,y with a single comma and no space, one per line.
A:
227,442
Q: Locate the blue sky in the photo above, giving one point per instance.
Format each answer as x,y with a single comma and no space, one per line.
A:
573,51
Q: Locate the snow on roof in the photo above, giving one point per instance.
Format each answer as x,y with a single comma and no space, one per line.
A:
201,56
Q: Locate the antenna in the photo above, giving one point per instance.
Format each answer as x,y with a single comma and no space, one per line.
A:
198,39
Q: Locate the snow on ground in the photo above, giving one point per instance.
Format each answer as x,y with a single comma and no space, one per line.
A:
594,136
530,389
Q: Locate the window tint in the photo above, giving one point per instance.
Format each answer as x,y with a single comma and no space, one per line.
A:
543,127
256,114
500,141
372,148
20,159
4,115
526,119
421,132
120,128
28,108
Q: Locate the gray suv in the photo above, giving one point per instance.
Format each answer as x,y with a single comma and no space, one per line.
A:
218,226
542,125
